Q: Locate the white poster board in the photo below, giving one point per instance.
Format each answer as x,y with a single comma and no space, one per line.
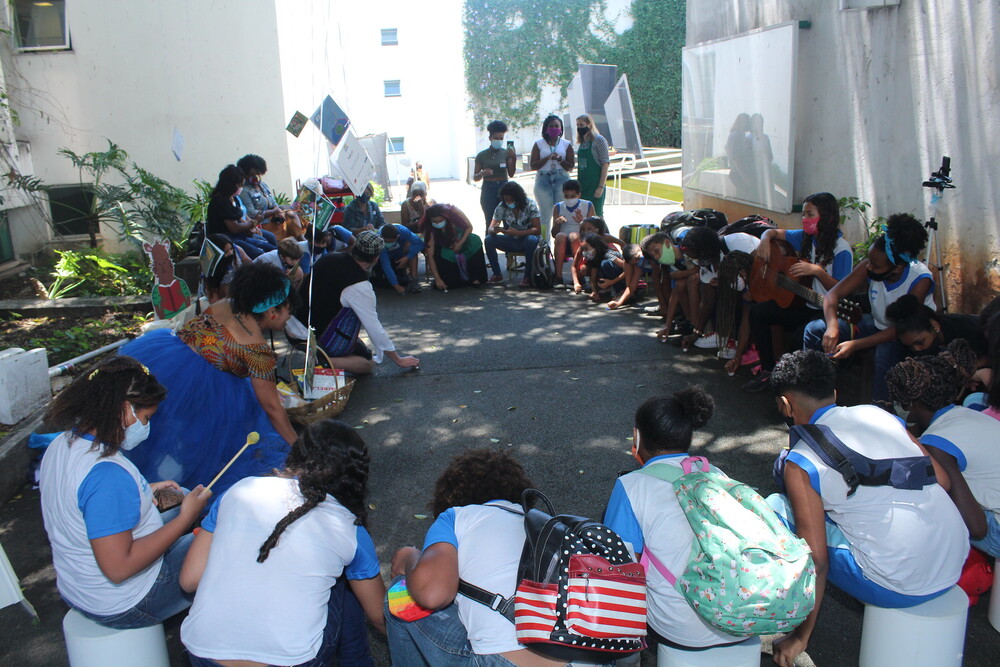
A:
738,117
353,163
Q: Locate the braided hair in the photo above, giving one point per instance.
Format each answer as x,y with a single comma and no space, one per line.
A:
93,403
329,458
935,381
826,232
733,266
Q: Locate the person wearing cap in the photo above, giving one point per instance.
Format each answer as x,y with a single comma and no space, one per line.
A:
398,260
344,303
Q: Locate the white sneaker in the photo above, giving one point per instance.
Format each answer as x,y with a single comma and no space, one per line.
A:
652,310
708,342
729,351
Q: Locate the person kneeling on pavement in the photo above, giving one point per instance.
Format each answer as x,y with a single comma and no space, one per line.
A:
397,264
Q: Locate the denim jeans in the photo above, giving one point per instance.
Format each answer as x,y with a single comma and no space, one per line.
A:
887,354
345,636
522,244
254,245
489,198
844,572
163,600
548,191
990,543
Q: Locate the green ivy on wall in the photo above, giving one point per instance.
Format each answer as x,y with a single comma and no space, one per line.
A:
515,47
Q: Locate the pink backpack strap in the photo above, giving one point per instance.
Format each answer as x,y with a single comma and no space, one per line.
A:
648,559
689,462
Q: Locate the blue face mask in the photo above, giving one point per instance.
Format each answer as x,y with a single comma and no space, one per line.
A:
510,205
439,225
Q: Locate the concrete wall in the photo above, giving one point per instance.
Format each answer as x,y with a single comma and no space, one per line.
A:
137,70
883,94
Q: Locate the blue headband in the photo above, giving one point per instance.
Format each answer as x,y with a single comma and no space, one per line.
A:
889,252
275,299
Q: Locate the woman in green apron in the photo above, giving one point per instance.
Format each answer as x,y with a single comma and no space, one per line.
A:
592,162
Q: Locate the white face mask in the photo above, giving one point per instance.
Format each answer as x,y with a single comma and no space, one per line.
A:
135,432
571,202
496,144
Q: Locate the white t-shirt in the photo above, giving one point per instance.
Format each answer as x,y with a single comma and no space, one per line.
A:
272,612
86,497
972,438
574,217
489,543
882,293
360,297
913,542
739,241
644,511
545,150
274,259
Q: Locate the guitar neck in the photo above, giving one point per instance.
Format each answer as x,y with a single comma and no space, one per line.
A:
797,288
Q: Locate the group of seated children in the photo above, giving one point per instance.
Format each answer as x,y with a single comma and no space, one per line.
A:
298,539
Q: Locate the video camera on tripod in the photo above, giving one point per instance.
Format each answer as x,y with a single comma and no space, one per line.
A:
939,181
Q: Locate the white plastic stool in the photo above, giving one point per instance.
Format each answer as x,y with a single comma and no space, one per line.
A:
93,645
931,634
746,654
994,614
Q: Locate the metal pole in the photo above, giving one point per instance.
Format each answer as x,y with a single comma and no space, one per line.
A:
69,366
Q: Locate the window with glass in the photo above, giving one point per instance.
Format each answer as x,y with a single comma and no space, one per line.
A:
69,206
392,89
397,145
40,25
389,37
6,245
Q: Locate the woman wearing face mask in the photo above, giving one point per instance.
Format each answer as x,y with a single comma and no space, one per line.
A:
551,158
220,372
363,213
593,161
454,254
824,256
117,559
890,271
261,205
494,166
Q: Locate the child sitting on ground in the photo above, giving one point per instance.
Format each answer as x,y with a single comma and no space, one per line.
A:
672,282
605,265
578,271
633,270
566,218
963,441
885,546
645,512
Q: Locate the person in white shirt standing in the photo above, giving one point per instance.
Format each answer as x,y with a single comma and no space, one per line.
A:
886,546
552,159
117,559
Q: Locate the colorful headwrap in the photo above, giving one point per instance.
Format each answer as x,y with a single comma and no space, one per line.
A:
890,253
275,299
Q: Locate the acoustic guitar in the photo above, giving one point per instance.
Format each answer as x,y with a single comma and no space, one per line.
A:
771,282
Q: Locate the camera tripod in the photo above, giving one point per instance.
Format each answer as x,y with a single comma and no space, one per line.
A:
939,181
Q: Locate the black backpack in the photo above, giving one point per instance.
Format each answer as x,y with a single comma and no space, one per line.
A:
580,596
541,269
752,224
702,217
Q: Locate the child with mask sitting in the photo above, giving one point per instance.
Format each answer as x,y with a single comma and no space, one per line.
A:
566,218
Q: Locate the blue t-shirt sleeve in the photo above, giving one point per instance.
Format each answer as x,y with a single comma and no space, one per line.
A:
109,500
948,447
794,237
807,465
843,262
620,517
443,530
211,520
364,565
342,234
386,264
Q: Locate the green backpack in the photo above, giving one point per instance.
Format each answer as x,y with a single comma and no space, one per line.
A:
747,574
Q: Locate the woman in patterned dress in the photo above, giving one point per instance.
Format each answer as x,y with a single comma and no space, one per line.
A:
220,378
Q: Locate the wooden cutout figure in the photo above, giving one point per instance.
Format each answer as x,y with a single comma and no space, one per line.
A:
170,295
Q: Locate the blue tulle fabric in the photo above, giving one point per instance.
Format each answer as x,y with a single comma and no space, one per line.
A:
203,421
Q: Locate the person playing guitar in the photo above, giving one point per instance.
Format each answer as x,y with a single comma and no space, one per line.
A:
821,259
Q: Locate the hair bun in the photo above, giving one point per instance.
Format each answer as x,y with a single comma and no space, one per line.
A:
697,405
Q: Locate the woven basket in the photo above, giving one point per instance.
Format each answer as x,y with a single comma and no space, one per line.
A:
327,406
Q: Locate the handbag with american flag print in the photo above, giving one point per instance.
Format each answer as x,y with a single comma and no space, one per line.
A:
580,595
